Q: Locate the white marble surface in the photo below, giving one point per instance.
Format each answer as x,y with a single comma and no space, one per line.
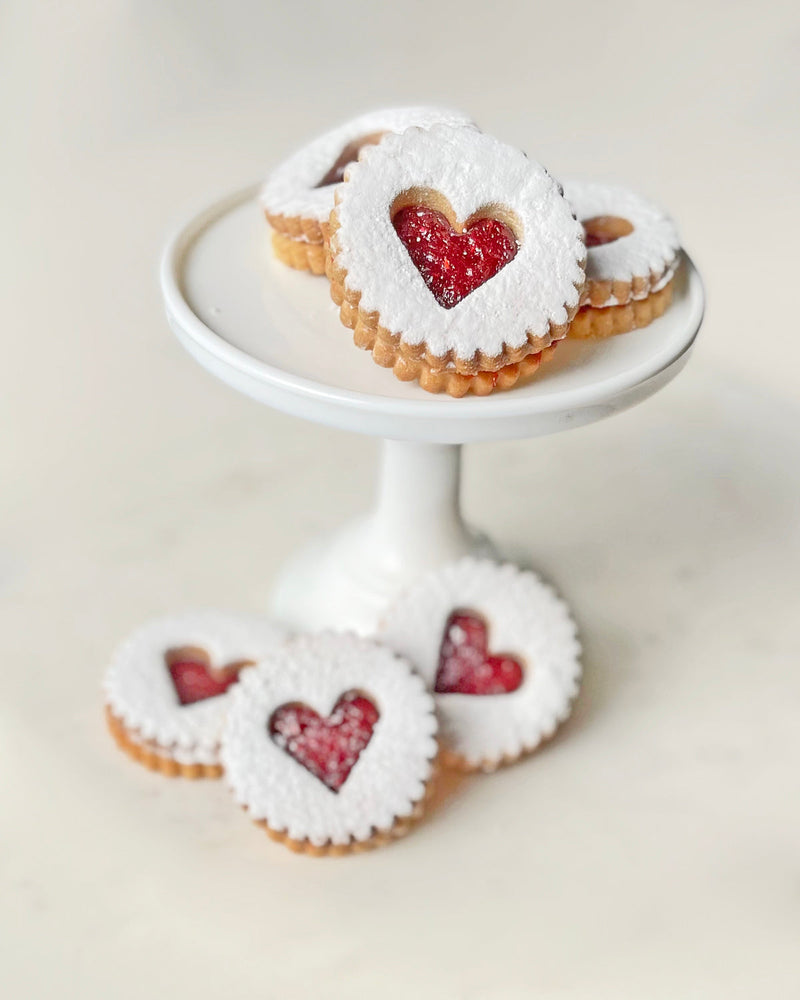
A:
652,849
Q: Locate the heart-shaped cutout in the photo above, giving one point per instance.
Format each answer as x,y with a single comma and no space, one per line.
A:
452,260
193,676
347,156
603,229
465,664
327,747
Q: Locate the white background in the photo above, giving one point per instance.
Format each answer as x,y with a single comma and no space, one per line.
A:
652,851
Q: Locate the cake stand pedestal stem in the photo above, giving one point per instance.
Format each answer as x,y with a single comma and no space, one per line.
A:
347,578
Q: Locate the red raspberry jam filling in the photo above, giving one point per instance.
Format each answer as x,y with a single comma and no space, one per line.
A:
195,679
327,747
465,664
602,229
453,264
347,156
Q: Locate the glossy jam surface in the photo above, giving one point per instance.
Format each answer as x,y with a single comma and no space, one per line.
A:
465,664
327,747
193,677
602,229
348,155
453,264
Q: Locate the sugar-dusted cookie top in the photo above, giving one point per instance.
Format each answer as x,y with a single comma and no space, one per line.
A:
330,740
170,681
425,203
303,185
632,244
498,649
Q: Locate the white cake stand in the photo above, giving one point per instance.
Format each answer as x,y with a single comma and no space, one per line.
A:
274,334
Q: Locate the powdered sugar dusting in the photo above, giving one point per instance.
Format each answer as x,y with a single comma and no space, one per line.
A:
651,248
141,691
525,619
391,770
292,187
474,172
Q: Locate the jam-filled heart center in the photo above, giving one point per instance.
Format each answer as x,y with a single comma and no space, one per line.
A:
195,678
453,260
327,747
603,229
465,664
335,175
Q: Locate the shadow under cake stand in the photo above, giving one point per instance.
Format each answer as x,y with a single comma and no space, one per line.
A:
274,334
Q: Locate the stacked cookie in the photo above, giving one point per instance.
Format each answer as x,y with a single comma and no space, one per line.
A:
331,741
456,260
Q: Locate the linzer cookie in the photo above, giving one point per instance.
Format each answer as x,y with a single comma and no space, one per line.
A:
500,652
330,744
168,686
632,255
297,197
454,258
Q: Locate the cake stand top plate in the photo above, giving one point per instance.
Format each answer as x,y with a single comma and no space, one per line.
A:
274,334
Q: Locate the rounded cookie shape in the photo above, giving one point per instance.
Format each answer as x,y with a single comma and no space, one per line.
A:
500,652
607,321
330,743
169,684
297,197
468,178
632,244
